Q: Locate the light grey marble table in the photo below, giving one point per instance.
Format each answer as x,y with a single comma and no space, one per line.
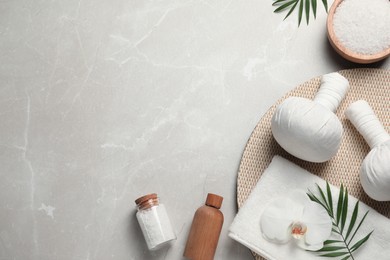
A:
105,101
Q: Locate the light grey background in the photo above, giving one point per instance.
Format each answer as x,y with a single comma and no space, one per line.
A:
104,101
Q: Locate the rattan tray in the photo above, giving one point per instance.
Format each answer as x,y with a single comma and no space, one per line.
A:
372,85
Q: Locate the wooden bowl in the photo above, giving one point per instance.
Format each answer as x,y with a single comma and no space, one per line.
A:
342,50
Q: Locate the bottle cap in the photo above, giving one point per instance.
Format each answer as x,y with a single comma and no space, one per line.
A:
144,199
214,200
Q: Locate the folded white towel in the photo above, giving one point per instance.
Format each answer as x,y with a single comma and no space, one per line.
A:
279,179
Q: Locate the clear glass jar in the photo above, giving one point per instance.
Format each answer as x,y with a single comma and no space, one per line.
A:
154,222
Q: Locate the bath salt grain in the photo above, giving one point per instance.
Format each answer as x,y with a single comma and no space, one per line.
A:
363,26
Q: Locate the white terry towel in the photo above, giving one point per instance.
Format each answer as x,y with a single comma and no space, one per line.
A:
279,179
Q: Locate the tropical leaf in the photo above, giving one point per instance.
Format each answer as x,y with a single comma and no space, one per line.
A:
360,242
291,10
353,219
361,222
314,8
304,5
284,6
323,195
314,198
300,11
277,2
340,204
330,248
328,242
335,254
307,9
330,200
344,210
325,3
341,247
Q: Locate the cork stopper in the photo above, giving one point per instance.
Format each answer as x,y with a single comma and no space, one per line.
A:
147,201
214,200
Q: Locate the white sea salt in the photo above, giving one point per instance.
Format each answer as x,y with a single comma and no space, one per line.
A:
155,226
363,26
154,222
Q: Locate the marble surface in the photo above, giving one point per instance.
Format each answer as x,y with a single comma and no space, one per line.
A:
105,101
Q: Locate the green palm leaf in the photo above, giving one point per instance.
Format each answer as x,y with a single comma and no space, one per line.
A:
344,210
330,248
330,200
314,8
360,242
291,10
277,2
361,222
335,254
325,3
304,5
300,11
328,242
339,248
340,204
284,6
353,219
307,9
323,196
314,198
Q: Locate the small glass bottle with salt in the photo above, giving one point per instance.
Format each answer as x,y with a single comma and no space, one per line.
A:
154,222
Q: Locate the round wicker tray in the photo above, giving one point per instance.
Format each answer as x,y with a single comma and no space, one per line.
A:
372,85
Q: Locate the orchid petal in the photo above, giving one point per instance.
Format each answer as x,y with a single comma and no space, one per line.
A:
318,222
297,201
313,247
276,220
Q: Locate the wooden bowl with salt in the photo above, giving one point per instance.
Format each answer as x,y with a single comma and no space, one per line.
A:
345,52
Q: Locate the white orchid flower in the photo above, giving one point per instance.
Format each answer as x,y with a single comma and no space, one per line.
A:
296,218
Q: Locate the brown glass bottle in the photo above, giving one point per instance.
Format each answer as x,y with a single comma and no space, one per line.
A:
205,230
